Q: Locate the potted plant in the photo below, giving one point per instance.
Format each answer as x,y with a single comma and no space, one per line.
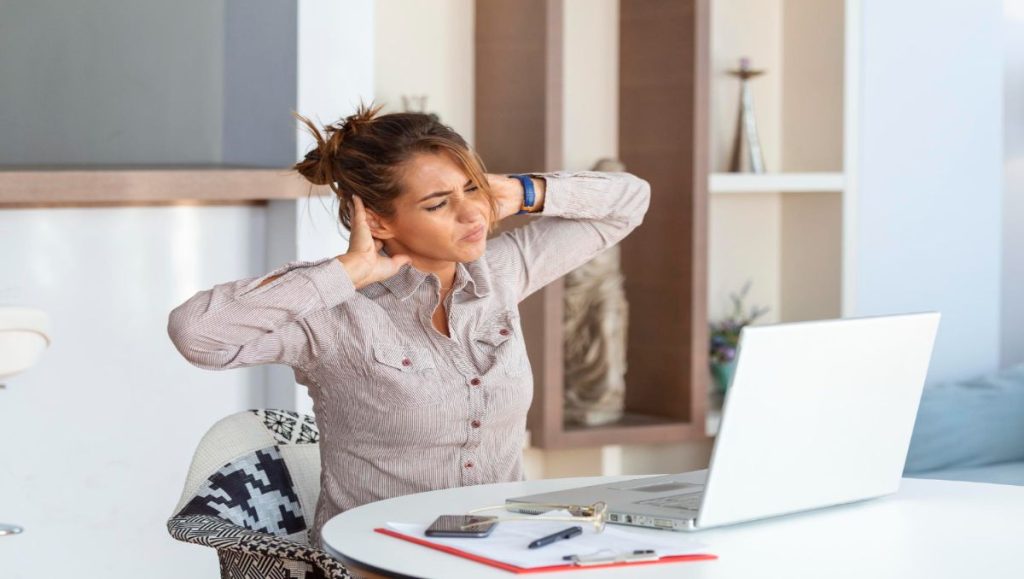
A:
725,337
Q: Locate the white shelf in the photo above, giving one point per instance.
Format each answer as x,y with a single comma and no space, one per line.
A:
776,182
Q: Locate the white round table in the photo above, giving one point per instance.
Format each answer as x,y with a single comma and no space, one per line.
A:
929,529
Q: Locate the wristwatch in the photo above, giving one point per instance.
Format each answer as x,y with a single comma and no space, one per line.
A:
529,194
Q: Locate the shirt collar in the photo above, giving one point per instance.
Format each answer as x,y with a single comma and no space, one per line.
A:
408,279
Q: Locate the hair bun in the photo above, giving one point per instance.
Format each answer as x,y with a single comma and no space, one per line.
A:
320,164
316,169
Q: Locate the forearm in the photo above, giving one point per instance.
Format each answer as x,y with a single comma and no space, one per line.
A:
584,213
242,321
615,199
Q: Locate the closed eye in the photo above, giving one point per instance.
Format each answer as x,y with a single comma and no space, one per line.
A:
445,202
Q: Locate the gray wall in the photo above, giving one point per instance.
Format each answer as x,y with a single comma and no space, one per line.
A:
115,82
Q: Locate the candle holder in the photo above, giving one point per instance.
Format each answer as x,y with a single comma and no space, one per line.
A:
746,148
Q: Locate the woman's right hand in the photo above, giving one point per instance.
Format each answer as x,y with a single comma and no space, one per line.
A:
363,261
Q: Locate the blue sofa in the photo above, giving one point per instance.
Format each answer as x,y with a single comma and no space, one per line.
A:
971,430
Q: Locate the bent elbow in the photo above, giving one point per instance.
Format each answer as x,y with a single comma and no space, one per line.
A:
640,200
185,333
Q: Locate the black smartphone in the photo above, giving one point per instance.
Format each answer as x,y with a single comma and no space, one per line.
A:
462,526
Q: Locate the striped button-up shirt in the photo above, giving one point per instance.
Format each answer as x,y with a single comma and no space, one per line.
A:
401,407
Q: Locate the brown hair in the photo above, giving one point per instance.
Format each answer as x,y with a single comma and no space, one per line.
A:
363,155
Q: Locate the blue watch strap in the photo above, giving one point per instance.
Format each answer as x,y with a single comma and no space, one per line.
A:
529,195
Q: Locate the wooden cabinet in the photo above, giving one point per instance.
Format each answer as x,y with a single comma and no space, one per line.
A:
663,102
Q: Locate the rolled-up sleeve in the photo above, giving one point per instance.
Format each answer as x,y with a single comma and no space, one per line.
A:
585,212
244,323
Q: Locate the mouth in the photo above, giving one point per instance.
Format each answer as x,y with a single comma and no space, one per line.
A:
476,235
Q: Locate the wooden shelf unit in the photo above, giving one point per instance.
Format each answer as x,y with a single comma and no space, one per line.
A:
787,230
663,103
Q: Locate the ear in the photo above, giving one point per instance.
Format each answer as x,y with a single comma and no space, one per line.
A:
379,228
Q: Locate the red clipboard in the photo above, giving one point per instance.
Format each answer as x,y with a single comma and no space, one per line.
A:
548,569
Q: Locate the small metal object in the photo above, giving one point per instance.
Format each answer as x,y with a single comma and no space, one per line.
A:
9,529
607,556
746,125
596,514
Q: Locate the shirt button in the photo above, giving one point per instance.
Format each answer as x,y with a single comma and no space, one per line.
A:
475,381
475,423
406,362
503,332
469,464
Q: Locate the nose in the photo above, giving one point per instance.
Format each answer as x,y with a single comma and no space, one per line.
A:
469,210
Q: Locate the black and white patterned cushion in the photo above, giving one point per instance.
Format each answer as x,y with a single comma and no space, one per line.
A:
255,492
289,427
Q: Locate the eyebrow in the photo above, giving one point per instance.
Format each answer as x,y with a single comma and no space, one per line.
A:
442,193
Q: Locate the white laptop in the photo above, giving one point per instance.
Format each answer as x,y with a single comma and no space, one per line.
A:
818,414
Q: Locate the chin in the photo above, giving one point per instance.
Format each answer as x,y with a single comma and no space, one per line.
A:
472,252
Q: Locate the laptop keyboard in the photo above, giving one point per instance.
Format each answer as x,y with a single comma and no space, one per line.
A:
683,502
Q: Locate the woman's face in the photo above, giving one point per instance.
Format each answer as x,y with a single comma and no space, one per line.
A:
439,216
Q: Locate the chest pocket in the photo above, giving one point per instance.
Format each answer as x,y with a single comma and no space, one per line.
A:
405,375
499,347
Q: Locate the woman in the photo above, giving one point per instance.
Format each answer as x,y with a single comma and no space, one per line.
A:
410,342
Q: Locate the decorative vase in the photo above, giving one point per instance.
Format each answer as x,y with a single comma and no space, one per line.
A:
722,374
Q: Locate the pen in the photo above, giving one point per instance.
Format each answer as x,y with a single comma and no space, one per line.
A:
563,534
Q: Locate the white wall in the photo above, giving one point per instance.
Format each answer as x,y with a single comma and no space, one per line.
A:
427,48
590,116
1013,197
99,435
931,159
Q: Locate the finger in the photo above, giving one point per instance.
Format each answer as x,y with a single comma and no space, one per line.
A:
357,208
360,229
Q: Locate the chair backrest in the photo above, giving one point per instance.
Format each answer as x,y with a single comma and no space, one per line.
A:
258,469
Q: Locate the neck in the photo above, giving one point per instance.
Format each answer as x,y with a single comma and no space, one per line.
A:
444,270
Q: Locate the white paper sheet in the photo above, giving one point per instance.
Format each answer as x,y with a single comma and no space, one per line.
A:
508,542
